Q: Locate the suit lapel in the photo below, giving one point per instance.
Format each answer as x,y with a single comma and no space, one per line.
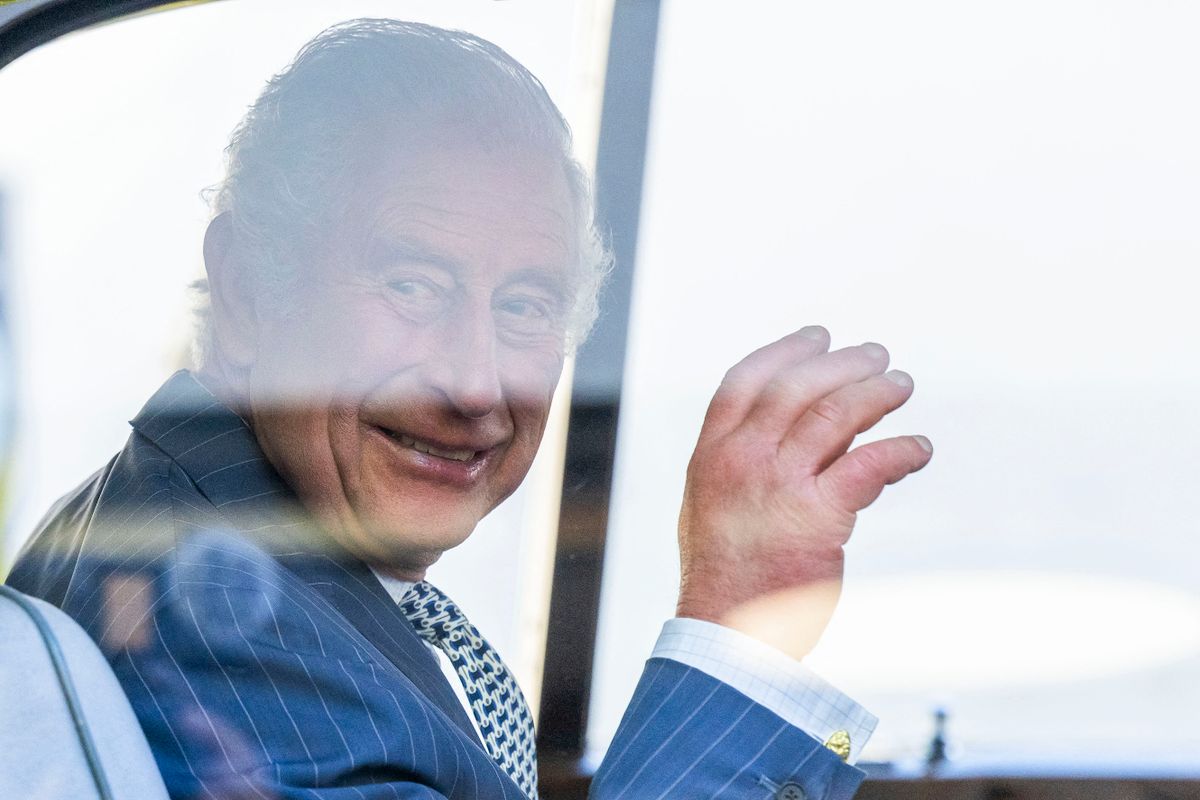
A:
351,588
218,452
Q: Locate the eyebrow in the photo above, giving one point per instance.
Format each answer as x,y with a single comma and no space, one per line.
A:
553,281
407,250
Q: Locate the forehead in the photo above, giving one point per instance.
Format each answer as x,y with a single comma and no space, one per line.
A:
478,208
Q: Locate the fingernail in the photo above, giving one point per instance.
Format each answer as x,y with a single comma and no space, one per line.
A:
814,332
874,350
899,377
926,445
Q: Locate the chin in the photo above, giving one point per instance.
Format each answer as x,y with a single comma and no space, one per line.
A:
408,566
419,539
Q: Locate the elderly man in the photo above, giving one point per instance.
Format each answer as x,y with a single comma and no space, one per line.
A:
402,255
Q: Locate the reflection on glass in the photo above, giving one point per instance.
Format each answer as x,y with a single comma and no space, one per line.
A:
104,234
1005,229
395,393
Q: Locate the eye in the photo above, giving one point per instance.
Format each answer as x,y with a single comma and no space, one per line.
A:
525,308
412,288
526,316
417,297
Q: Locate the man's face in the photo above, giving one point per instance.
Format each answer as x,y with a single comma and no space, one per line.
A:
408,396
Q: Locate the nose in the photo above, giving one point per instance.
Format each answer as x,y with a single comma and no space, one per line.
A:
466,372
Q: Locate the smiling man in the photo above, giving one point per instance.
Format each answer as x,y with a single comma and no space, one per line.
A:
408,394
401,257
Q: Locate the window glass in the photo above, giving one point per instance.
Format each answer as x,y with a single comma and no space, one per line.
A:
1006,196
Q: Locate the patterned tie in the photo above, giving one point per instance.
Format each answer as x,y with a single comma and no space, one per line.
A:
496,700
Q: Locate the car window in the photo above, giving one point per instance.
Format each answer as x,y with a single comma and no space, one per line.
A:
1006,198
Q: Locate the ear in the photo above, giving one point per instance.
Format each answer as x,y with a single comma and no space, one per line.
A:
234,319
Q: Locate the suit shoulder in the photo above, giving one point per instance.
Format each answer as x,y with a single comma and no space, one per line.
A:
123,511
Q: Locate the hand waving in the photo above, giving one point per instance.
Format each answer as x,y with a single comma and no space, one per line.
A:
773,490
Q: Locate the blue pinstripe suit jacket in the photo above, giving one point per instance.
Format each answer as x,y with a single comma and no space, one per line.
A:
263,662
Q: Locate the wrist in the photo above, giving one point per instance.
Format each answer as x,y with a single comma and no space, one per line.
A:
789,617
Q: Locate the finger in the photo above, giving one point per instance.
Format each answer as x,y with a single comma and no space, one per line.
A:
825,431
854,481
794,389
746,379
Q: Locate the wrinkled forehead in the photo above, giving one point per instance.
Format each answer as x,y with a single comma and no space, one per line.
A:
485,202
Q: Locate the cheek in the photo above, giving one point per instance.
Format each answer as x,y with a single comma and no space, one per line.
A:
531,376
297,444
359,347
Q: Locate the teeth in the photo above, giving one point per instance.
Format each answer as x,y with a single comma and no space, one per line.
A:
423,447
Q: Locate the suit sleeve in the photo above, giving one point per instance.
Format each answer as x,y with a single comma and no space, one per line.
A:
686,734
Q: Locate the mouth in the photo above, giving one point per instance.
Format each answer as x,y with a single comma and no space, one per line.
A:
461,458
404,440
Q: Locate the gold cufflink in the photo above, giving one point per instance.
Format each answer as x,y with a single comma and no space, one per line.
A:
839,743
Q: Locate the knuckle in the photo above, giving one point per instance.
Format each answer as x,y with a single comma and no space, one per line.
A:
830,412
862,473
828,496
867,465
736,375
733,385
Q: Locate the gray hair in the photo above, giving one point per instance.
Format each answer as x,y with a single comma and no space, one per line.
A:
290,162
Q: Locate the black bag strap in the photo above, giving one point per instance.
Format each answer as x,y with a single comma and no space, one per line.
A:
68,688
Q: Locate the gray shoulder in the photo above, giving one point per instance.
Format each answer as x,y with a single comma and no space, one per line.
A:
39,715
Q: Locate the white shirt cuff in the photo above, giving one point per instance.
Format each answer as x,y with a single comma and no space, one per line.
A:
770,678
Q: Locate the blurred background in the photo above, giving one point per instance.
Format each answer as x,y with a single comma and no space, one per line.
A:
1006,196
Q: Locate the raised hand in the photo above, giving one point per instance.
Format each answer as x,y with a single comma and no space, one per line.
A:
773,490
